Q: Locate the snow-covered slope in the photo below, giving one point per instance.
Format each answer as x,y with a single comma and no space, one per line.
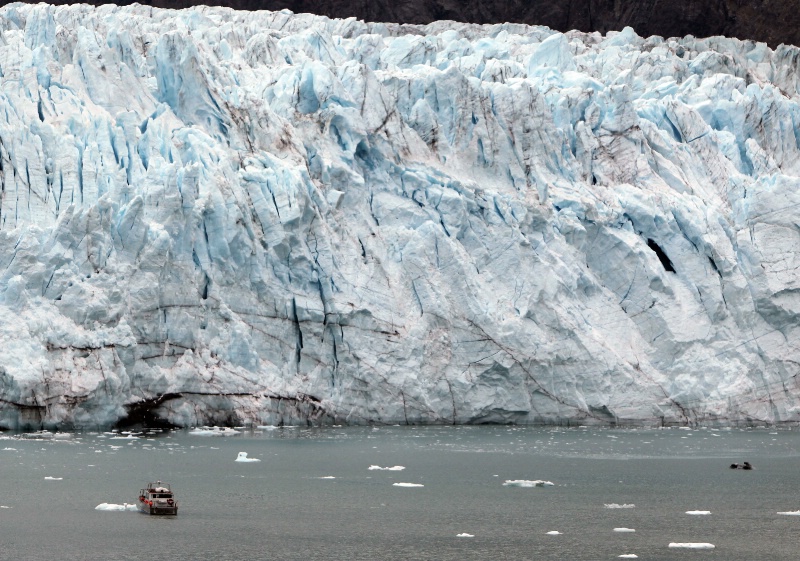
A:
219,217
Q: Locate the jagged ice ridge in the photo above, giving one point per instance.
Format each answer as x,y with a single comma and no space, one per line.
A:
210,216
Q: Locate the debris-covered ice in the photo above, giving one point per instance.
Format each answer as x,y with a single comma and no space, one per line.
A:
527,483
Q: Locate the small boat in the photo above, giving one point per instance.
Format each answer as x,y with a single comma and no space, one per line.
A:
157,498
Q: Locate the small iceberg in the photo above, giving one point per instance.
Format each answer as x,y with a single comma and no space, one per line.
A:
393,468
408,485
48,478
213,431
615,505
629,556
698,512
791,513
14,449
242,457
115,507
4,506
465,535
527,483
624,530
692,545
553,533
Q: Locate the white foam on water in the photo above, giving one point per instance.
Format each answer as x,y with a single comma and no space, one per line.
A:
527,483
392,468
465,535
624,530
327,477
553,533
242,457
615,505
698,512
48,478
791,513
115,507
408,485
692,545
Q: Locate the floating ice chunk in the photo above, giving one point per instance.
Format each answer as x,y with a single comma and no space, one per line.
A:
48,478
213,431
327,477
615,505
465,535
553,533
392,468
791,513
527,483
115,507
126,437
9,449
692,545
408,485
629,556
267,427
242,457
624,530
4,506
698,512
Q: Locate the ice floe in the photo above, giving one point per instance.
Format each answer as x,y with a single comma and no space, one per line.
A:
698,512
392,468
115,507
527,483
242,457
465,535
48,478
624,530
553,533
408,485
214,431
791,513
615,505
629,556
692,545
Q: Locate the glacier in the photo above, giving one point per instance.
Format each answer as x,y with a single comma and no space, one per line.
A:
234,218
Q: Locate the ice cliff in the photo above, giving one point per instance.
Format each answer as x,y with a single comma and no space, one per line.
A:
211,216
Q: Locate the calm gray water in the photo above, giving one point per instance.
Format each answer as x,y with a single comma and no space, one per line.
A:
280,508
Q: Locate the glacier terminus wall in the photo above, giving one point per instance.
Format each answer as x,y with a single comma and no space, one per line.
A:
220,217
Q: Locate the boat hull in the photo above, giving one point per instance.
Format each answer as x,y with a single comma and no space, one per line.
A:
161,510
